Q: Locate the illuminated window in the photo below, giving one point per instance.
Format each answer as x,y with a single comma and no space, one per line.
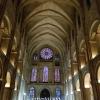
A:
35,56
45,74
31,93
57,75
46,53
34,75
58,92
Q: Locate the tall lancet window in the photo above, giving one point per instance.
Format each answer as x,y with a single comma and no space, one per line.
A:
45,74
57,75
34,75
31,93
58,92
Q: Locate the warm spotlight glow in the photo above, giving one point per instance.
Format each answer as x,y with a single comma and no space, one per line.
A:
99,75
70,77
75,72
4,51
82,66
78,90
94,54
18,71
98,81
78,85
87,81
7,85
87,86
15,89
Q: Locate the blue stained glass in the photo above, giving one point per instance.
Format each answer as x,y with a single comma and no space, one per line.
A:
31,93
58,92
34,75
45,74
46,53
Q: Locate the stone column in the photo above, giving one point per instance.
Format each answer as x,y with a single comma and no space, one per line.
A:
2,8
6,93
77,95
81,80
98,90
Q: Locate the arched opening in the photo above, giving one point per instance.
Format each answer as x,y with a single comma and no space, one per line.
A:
34,75
78,91
88,87
99,75
98,38
45,93
6,27
87,81
8,80
93,43
95,39
78,85
83,54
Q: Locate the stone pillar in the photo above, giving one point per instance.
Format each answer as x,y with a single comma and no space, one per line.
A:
15,92
98,90
6,93
78,95
87,94
81,80
15,96
2,8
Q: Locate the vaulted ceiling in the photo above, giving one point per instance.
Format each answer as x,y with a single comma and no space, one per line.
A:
47,22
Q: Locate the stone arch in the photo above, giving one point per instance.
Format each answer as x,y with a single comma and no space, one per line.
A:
6,30
87,80
97,71
5,24
83,54
88,87
45,93
98,74
48,88
94,38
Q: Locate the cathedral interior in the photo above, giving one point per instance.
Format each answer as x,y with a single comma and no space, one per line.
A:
49,49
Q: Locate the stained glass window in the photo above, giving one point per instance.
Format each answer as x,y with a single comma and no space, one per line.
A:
31,93
45,74
46,53
58,92
34,75
57,75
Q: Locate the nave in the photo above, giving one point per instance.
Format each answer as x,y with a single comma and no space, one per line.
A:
49,49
